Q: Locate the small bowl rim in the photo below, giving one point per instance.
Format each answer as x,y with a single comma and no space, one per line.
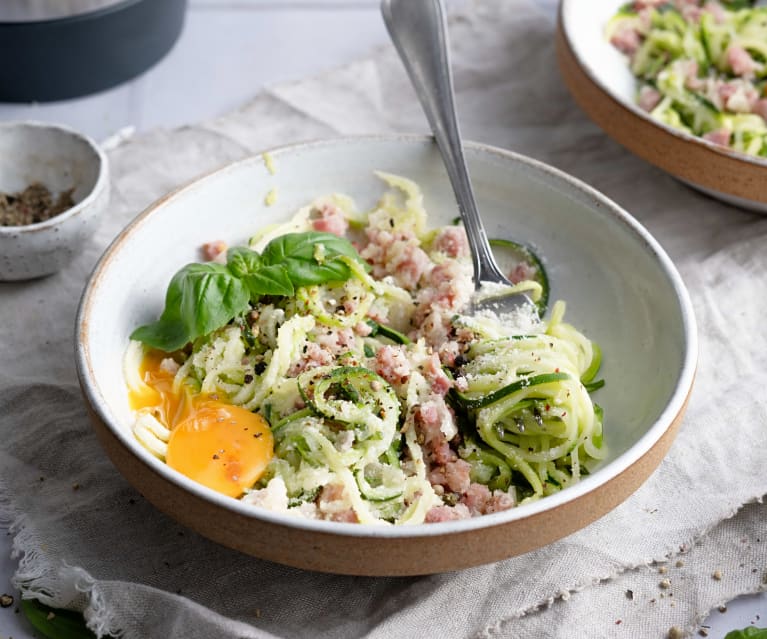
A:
672,410
101,183
567,6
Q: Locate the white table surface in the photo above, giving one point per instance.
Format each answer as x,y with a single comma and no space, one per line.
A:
230,49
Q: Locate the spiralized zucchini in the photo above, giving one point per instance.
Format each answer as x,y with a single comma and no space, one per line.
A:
701,67
386,404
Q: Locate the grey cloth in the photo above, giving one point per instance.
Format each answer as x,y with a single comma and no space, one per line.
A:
88,541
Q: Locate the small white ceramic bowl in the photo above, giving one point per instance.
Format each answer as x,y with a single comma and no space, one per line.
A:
622,291
60,159
600,80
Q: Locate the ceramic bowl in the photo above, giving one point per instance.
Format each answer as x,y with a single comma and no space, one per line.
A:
626,294
60,159
601,82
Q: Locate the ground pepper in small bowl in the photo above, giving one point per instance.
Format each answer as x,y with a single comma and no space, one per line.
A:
32,205
54,188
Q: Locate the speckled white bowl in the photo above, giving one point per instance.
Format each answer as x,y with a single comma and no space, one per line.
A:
621,289
60,159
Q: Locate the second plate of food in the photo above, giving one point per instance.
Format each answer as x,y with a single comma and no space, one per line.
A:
680,83
278,355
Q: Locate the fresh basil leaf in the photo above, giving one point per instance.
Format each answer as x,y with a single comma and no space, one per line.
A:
164,334
242,261
747,633
311,258
55,624
270,280
200,299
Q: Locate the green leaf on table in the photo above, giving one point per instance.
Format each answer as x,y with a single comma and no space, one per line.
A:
747,633
53,623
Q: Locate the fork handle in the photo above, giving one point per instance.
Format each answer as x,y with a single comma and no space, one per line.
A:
418,29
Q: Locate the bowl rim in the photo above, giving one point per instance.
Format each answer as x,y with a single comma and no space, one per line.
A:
566,7
102,177
98,12
672,410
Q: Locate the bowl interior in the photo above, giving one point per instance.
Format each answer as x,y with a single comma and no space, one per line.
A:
55,157
620,287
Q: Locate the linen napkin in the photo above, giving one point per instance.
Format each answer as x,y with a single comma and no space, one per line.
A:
88,541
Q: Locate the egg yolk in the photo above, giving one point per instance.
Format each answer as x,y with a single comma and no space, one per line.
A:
223,447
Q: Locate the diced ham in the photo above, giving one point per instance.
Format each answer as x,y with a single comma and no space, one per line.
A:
720,137
435,426
440,382
434,326
648,98
476,498
396,254
336,340
498,502
312,356
347,516
457,476
725,91
392,364
760,108
691,79
441,454
212,250
452,241
332,492
330,220
626,40
447,513
639,5
522,271
449,290
363,329
740,61
691,12
716,10
480,501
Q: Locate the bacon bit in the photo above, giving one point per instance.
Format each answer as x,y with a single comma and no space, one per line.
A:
211,250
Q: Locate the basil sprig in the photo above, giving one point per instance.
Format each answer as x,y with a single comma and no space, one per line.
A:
204,297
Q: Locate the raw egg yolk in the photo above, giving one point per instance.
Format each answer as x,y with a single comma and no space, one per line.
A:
167,406
223,447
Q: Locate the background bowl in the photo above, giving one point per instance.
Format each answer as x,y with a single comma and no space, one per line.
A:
601,82
60,159
67,48
625,294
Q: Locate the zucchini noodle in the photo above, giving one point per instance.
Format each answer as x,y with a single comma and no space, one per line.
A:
386,404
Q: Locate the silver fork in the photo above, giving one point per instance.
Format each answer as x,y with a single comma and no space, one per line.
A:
418,29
